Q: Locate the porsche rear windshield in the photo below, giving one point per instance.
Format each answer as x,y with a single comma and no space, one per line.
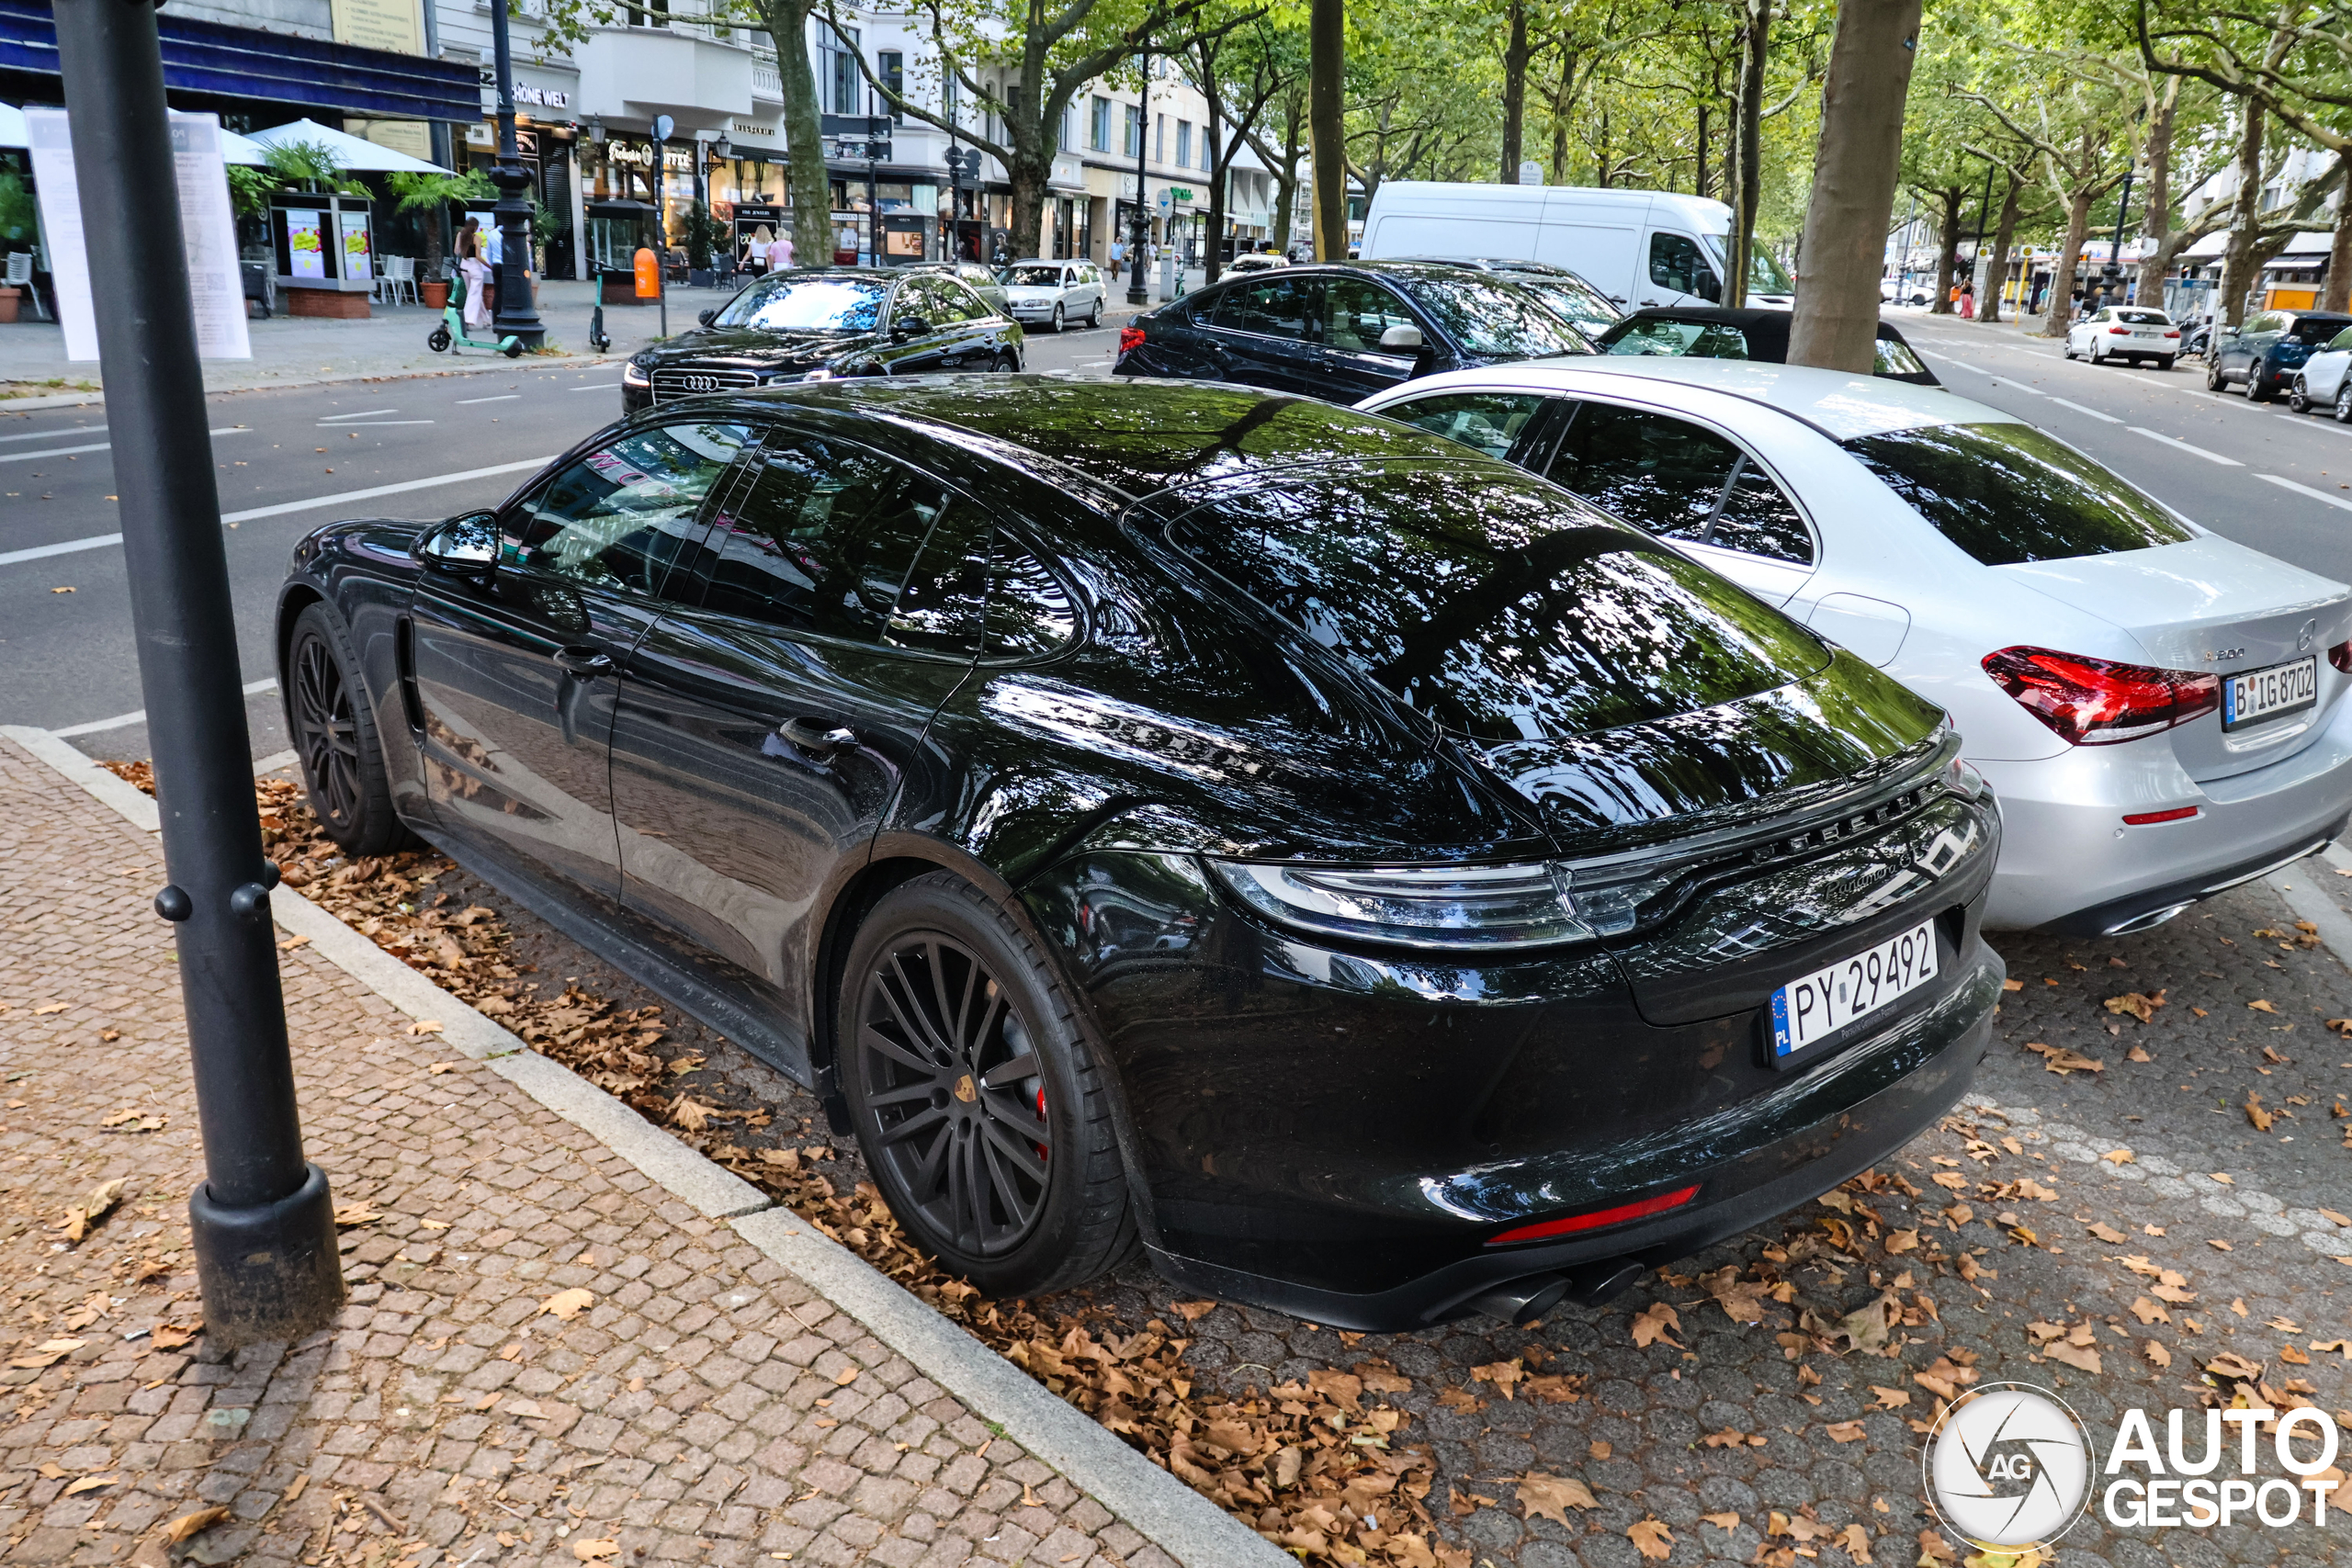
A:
2008,493
808,305
1501,607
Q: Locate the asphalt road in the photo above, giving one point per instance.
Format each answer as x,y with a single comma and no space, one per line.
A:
286,461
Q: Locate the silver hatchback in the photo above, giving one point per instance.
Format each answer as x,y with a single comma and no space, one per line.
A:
1054,293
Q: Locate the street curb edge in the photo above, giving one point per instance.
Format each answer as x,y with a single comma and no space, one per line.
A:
1165,1511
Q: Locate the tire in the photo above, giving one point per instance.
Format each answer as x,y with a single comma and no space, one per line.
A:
2298,397
2165,361
1019,1204
334,737
2343,409
1057,317
438,339
1094,314
2069,350
2214,380
1005,363
2254,390
513,351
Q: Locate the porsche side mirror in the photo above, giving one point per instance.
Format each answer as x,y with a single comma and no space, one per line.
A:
464,547
1401,337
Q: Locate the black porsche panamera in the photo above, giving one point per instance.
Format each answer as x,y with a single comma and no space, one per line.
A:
1359,873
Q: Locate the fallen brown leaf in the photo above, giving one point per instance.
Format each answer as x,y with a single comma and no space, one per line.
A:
2158,1357
1888,1398
188,1525
90,1483
1543,1496
1652,1324
1844,1431
591,1550
569,1304
1651,1539
1722,1521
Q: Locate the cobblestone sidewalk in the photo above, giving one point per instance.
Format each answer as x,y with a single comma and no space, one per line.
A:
546,1359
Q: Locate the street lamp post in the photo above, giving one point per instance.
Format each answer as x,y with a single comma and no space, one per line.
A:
517,315
2115,256
1136,293
263,1221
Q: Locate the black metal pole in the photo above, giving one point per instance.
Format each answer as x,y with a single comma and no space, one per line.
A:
1984,207
517,316
2115,259
1138,294
263,1219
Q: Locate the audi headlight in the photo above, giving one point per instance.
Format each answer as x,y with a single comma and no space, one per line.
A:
1491,908
635,374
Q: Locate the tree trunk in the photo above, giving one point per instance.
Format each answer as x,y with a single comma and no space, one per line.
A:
1988,305
1515,54
1699,150
2246,216
1285,164
1855,164
2155,221
1746,191
807,185
1952,198
1327,46
2070,256
2337,293
1562,101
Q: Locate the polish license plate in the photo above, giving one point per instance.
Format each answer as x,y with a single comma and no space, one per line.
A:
2260,694
1811,1009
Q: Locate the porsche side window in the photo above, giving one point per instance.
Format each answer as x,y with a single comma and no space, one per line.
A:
620,517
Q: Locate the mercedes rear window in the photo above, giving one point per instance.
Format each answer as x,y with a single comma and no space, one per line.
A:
2008,493
1499,605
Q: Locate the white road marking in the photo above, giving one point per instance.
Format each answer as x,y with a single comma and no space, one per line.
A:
124,720
374,421
599,387
2319,495
2200,451
102,446
502,398
358,413
2078,408
53,434
103,541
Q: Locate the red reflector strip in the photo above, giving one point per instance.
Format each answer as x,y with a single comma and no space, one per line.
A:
1638,1209
2142,819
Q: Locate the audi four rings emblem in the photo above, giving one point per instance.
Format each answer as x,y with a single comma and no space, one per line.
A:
700,383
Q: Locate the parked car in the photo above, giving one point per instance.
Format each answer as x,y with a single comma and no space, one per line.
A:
1585,308
1257,261
1638,247
1054,293
1369,878
2321,382
2264,354
2134,333
1891,293
981,280
818,324
1343,332
1711,332
2159,709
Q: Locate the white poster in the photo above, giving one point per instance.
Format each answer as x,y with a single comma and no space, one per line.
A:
359,261
208,232
306,243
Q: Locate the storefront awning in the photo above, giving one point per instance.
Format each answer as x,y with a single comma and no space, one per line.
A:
246,63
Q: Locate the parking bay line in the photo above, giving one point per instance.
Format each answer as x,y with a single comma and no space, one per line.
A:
54,434
502,398
124,720
355,413
2198,451
102,541
599,387
103,445
2078,408
2319,495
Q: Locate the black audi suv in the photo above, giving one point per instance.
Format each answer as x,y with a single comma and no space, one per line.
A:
1344,333
1359,873
820,323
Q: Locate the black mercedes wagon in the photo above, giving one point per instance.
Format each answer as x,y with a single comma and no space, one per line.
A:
1358,872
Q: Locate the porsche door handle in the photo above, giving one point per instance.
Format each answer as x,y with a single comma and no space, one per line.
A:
584,663
815,736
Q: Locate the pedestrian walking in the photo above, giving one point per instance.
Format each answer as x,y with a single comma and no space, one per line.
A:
1968,301
779,254
476,272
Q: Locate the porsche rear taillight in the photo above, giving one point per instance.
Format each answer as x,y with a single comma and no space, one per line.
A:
1130,339
2099,702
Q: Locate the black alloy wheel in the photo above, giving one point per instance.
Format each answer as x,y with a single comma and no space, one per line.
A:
334,737
977,1102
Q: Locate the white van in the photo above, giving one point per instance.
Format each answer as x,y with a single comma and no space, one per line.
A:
1639,247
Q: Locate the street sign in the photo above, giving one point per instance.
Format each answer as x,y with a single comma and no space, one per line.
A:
862,127
662,126
1530,173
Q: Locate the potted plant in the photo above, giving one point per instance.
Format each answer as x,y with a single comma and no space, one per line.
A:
431,195
15,231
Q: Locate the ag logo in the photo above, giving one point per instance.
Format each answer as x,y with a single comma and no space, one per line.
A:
2009,1468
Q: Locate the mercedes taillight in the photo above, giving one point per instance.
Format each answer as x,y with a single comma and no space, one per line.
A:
2099,702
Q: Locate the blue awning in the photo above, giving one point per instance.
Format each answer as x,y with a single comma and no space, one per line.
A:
246,63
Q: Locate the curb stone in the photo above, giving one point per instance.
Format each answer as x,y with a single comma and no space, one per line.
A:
504,367
1167,1512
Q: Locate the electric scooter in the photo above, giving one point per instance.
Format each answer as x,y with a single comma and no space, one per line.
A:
453,327
598,338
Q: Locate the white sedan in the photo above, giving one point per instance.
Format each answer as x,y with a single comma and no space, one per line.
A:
1054,293
2159,708
2132,333
2323,382
1257,261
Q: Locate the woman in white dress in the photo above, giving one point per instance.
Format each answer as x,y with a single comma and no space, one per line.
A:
476,272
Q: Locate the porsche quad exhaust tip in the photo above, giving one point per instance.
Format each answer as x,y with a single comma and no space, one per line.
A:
1521,1303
